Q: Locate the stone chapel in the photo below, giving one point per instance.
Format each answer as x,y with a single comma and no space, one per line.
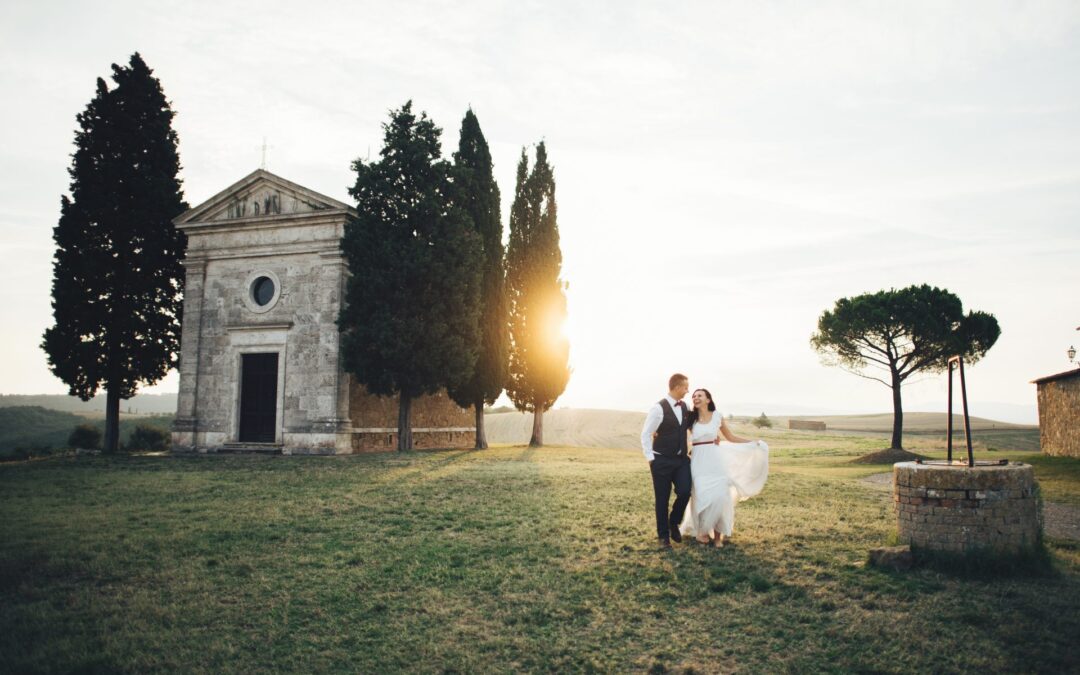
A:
260,368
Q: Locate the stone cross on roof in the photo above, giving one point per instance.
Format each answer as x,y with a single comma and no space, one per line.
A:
265,147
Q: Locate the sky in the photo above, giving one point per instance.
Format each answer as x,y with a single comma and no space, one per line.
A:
725,171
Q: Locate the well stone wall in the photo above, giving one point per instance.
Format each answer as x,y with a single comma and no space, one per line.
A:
961,509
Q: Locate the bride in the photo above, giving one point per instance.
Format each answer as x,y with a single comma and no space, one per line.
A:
723,473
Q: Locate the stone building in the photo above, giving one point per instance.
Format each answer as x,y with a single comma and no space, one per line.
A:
259,361
1059,413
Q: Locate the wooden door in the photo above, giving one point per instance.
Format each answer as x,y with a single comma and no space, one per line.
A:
258,397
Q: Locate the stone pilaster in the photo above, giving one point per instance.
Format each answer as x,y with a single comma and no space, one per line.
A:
185,426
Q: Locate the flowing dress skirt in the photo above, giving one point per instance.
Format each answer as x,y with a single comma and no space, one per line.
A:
722,476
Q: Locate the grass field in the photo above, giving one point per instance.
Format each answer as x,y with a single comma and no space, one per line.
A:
508,559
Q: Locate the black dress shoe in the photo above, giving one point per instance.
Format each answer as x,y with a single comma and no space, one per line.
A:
676,536
665,542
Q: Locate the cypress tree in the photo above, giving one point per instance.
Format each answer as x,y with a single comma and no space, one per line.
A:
117,277
409,317
539,352
478,194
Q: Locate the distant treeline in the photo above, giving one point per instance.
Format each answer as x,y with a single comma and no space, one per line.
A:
161,404
37,429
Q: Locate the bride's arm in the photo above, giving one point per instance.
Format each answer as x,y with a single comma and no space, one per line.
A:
732,438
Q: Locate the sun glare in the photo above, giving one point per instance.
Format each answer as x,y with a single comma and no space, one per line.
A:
566,326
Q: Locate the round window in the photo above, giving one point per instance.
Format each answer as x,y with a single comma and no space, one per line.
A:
262,291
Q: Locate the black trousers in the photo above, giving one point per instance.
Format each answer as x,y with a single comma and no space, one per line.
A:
666,472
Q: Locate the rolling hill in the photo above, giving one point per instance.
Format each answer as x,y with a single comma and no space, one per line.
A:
155,404
40,429
589,428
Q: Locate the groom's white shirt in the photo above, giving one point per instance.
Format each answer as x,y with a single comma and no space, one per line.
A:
652,422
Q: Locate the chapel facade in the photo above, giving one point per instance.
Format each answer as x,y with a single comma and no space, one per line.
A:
260,366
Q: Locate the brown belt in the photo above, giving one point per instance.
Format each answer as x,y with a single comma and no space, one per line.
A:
705,442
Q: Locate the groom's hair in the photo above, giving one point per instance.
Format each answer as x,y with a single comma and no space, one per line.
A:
675,380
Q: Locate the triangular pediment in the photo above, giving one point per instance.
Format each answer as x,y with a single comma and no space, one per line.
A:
260,195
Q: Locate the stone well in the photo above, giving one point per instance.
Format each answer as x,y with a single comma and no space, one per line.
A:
959,508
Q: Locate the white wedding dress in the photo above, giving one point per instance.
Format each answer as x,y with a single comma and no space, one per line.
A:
722,476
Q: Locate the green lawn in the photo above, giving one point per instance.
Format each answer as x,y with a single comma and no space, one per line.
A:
509,559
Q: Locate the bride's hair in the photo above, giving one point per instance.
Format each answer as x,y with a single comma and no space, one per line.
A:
711,406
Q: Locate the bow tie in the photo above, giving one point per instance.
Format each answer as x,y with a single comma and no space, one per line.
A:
680,404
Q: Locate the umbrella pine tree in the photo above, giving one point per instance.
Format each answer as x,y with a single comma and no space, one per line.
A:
896,333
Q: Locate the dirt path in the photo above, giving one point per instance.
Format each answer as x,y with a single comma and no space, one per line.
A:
1060,521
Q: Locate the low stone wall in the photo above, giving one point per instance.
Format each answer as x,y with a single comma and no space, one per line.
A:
806,425
437,422
960,509
384,440
370,412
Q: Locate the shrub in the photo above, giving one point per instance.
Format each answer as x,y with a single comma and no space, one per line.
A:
148,438
762,421
85,436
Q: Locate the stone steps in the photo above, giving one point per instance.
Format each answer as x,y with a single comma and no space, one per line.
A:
252,448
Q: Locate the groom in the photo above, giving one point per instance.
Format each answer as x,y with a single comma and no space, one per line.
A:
669,463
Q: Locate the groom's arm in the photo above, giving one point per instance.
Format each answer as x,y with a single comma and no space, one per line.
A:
652,423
